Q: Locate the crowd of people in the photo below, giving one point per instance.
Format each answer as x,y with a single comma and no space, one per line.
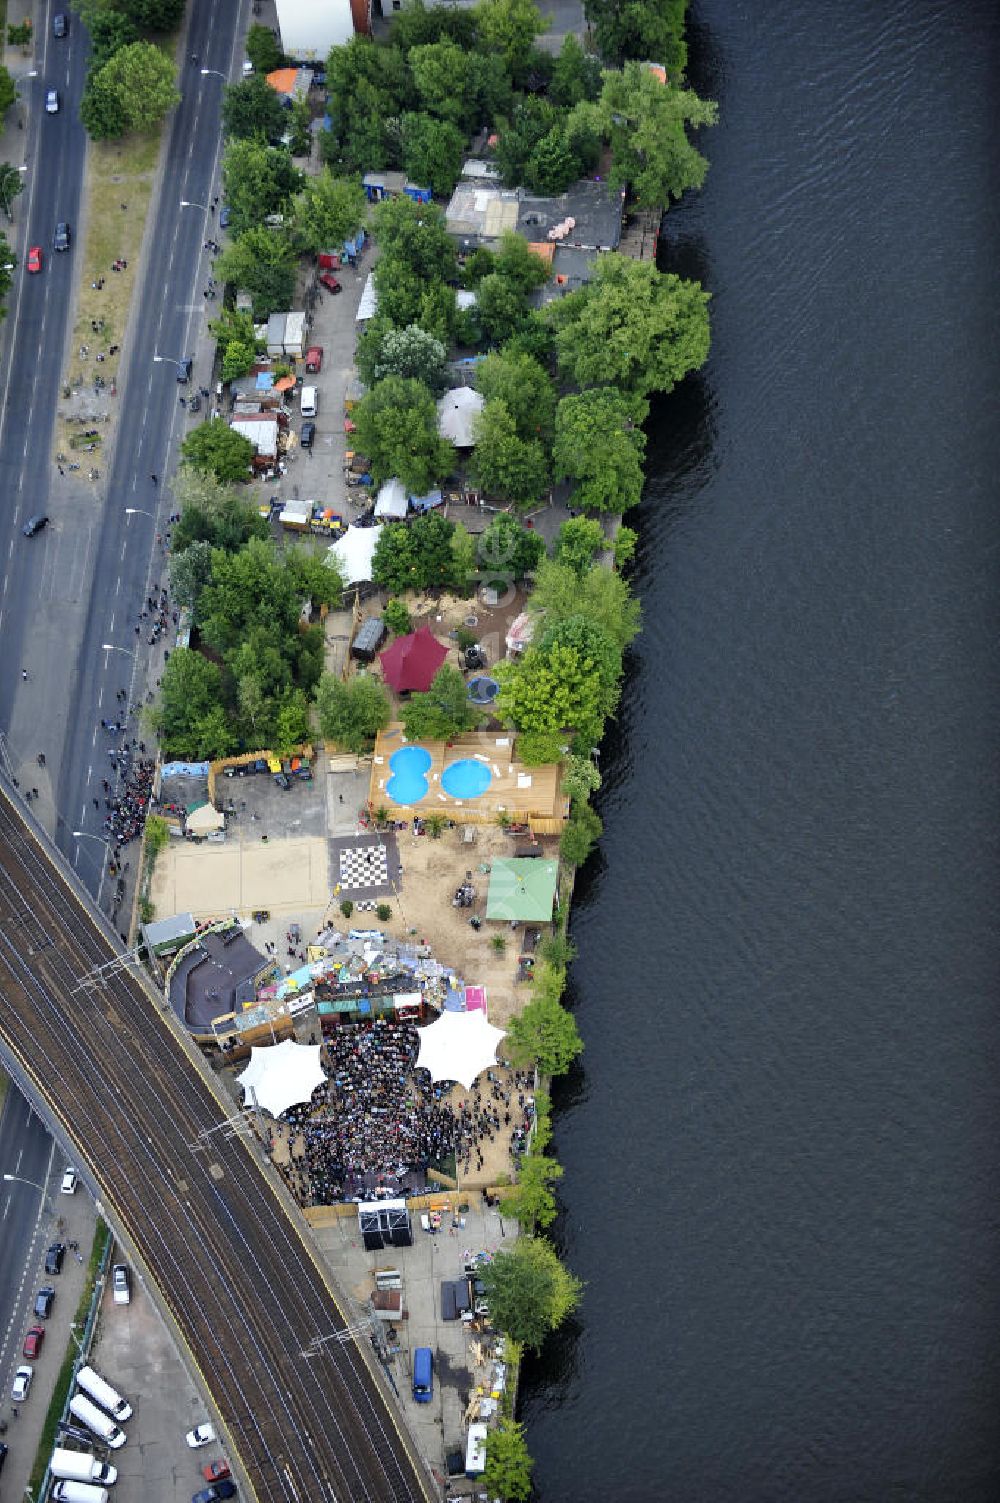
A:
377,1120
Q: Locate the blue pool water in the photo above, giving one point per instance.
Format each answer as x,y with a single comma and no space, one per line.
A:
466,779
408,784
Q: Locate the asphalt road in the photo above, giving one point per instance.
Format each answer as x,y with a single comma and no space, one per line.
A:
27,1151
301,1405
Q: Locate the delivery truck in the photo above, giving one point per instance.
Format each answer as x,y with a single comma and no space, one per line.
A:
82,1466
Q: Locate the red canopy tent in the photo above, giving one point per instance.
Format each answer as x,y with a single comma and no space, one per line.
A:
411,662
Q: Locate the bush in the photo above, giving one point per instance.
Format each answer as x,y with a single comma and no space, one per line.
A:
581,834
383,913
397,618
346,907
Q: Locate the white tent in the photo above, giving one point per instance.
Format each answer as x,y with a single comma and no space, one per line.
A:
391,500
459,1046
354,550
456,411
281,1075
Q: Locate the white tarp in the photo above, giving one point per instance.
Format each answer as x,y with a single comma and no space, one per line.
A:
456,411
354,550
391,500
281,1075
368,306
459,1046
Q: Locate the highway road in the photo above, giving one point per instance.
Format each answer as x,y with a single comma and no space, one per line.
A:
27,1151
300,1404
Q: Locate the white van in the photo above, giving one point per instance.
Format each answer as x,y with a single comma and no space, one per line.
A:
109,1398
79,1492
95,1419
81,1466
308,401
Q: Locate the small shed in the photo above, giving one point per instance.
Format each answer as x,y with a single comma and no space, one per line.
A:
368,639
295,335
165,936
276,334
379,185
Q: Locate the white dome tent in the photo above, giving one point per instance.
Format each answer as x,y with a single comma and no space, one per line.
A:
459,1046
281,1075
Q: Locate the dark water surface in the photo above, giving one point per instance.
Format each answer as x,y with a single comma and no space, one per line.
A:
783,1149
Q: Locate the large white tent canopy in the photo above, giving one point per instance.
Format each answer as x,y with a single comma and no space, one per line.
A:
281,1075
354,550
459,1046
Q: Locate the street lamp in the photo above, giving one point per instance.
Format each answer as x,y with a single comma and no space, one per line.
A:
19,1179
137,511
86,835
186,203
169,359
206,71
110,647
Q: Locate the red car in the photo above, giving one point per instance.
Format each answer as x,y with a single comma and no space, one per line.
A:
314,359
34,262
330,282
215,1471
33,1341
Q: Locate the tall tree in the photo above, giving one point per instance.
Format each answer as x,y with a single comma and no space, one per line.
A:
216,447
505,465
262,49
251,109
433,152
413,238
258,180
110,30
600,445
191,689
409,352
508,28
11,184
526,389
507,550
327,211
397,427
8,91
352,713
601,595
530,1293
508,1464
577,541
416,556
261,262
146,83
576,75
443,711
441,76
635,29
631,326
647,123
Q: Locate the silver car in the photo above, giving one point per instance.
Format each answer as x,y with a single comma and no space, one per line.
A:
22,1382
52,101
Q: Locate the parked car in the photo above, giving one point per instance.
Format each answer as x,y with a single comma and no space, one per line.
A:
121,1292
283,781
21,1384
34,261
201,1435
224,213
68,1186
215,1471
308,435
52,101
44,1300
184,368
54,1257
33,1341
33,525
314,359
224,1489
330,282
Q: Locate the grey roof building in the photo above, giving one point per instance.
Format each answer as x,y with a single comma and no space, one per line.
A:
219,974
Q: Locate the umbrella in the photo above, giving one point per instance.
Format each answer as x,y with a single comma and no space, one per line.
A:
459,1046
412,661
282,1075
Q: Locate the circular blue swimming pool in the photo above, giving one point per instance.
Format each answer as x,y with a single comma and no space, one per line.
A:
466,779
408,784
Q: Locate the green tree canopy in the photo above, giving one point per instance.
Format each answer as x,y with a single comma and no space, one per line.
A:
411,353
600,445
577,542
529,122
7,259
525,388
508,1464
11,184
631,326
443,712
217,448
102,110
433,152
396,618
530,1293
576,75
190,572
581,834
262,263
413,238
154,15
501,308
647,124
190,696
532,1202
508,28
594,646
138,86
258,180
212,511
109,30
543,1032
368,87
600,595
416,555
560,688
352,713
418,25
507,551
635,29
327,211
237,344
262,49
251,109
440,74
397,427
504,464
8,90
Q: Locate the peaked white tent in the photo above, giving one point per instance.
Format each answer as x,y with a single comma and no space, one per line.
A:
459,1046
456,413
281,1075
354,551
391,500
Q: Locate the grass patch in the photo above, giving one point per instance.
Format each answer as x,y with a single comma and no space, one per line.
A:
47,1440
118,172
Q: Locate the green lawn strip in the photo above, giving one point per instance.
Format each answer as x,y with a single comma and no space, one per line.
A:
102,1237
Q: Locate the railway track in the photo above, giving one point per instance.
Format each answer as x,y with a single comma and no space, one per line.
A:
229,1264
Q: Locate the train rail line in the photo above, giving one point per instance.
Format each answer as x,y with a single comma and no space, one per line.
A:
228,1262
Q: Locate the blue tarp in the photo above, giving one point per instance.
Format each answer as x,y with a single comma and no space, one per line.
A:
184,770
426,503
265,380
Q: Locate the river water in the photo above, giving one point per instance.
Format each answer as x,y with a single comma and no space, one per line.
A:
782,1150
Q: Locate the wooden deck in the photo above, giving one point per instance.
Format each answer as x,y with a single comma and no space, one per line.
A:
522,792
